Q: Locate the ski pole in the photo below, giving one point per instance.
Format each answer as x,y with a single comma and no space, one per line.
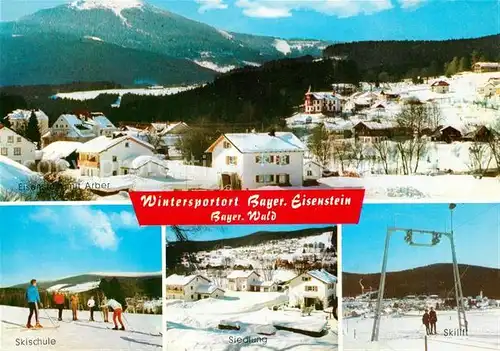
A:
48,316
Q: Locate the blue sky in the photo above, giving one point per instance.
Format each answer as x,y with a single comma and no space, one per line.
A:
476,227
339,20
234,231
48,242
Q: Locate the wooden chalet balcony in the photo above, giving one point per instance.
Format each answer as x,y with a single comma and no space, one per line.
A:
84,163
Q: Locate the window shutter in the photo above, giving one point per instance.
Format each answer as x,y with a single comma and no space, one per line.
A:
227,160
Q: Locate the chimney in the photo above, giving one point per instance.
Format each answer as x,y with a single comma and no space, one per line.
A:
272,133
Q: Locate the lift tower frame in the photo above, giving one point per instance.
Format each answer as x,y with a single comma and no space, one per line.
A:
436,238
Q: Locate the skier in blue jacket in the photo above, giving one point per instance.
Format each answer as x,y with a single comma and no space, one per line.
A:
33,298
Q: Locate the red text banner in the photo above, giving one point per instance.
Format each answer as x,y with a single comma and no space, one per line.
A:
248,207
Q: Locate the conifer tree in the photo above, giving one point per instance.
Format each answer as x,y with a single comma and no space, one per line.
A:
33,131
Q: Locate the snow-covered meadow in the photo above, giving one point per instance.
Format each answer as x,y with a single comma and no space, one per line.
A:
194,325
143,331
407,332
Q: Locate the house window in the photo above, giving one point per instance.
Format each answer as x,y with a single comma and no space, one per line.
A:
283,160
231,160
309,173
306,279
19,139
114,158
226,145
283,178
125,171
127,144
115,173
10,139
17,151
5,151
192,296
310,288
258,159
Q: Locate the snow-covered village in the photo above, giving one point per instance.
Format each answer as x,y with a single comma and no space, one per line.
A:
428,139
253,288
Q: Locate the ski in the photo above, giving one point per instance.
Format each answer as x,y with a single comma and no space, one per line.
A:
136,332
51,327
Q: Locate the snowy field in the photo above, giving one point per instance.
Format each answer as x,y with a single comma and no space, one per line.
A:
143,331
407,333
193,325
92,94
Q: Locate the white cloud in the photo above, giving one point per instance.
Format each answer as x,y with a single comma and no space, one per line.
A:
82,224
339,8
411,4
207,5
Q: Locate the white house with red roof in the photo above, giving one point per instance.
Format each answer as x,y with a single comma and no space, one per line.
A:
322,102
312,288
440,87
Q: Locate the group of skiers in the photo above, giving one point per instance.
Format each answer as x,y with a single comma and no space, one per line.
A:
34,303
429,319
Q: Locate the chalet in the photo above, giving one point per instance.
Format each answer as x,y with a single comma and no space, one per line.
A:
314,288
244,281
389,96
322,102
19,119
480,134
372,131
487,89
191,288
100,124
482,67
103,156
312,170
253,160
15,146
440,87
68,128
447,134
268,286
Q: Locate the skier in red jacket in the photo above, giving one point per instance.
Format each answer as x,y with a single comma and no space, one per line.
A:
59,302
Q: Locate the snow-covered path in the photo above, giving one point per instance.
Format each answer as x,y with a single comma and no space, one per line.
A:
407,333
80,335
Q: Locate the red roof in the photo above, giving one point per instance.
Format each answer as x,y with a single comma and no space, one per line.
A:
441,83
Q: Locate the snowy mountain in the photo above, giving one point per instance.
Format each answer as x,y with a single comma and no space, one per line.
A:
134,24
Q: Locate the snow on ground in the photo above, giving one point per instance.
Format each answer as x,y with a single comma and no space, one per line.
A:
59,150
214,67
282,46
407,332
93,38
81,335
442,187
249,63
92,94
13,174
225,34
193,325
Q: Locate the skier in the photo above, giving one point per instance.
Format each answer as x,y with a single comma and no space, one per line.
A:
74,305
117,312
433,320
33,298
59,302
105,309
91,304
425,321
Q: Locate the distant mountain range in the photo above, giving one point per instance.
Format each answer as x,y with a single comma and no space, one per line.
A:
128,42
436,279
250,239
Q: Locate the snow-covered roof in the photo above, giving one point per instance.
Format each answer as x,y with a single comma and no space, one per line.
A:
267,284
176,279
240,274
78,128
165,128
103,121
103,143
26,114
139,161
60,149
323,275
377,125
440,83
207,289
487,64
262,142
324,95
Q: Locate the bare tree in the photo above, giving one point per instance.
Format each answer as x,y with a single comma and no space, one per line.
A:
342,154
434,115
479,158
320,144
385,152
